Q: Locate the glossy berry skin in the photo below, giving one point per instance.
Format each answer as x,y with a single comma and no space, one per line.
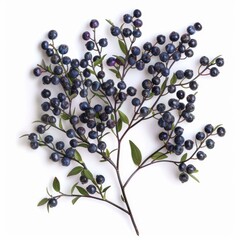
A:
180,94
103,42
137,13
33,137
34,145
115,31
183,177
92,148
188,144
83,179
41,129
94,23
210,143
178,131
191,30
198,26
191,98
219,62
182,167
179,140
179,74
102,145
200,136
161,39
161,107
52,202
37,71
201,155
100,179
91,189
163,136
221,131
55,157
48,139
52,34
208,128
214,72
63,49
190,169
127,18
60,145
204,61
193,85
136,102
44,45
70,133
66,161
174,36
144,111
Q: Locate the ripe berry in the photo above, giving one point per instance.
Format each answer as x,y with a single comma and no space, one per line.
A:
34,145
136,102
90,45
144,111
86,36
58,70
52,34
127,32
185,38
171,88
163,136
91,189
63,49
52,202
103,42
189,53
48,139
102,145
210,143
183,177
33,137
92,148
131,91
179,140
44,45
191,98
66,161
137,13
59,145
188,144
40,129
198,26
214,72
161,39
191,30
94,23
127,18
192,43
180,94
193,85
204,61
200,136
201,155
137,23
179,74
83,179
190,169
208,128
182,167
55,157
219,62
115,31
174,36
221,131
70,133
100,179
37,71
178,131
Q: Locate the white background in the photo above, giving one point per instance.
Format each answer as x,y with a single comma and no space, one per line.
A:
163,207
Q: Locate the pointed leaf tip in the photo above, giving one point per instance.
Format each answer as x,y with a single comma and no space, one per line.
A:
136,153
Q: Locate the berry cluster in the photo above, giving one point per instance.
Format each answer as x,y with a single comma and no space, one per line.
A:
84,102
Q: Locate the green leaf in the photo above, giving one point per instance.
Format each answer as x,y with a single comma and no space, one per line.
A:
65,116
192,176
163,87
44,64
99,61
173,79
75,200
77,156
82,191
107,153
88,174
119,125
158,156
56,185
92,72
122,46
123,117
60,124
49,68
110,22
105,189
73,187
117,73
24,135
42,202
73,96
75,171
184,157
136,153
84,145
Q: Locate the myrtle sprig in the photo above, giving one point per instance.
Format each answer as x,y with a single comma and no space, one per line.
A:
99,113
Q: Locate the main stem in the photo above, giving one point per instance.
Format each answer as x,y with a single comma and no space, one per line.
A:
123,190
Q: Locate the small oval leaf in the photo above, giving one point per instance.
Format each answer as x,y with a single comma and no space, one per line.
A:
75,171
173,79
42,202
82,191
123,117
136,153
192,176
158,156
56,185
78,157
88,174
99,61
122,46
73,187
184,157
75,200
119,125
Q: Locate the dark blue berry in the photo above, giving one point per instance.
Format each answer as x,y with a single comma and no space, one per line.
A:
178,131
131,91
111,123
102,145
182,167
59,145
137,33
221,131
41,129
137,23
49,52
165,72
191,98
219,62
37,71
178,149
179,140
70,133
176,56
171,88
111,61
54,102
83,106
93,134
98,108
208,128
127,32
94,23
44,45
201,155
147,46
127,18
70,152
183,177
161,107
164,57
191,30
55,157
103,42
33,137
83,179
92,148
86,36
156,80
144,111
179,74
58,70
66,161
192,43
52,202
174,36
91,189
163,136
173,103
204,61
100,179
147,84
200,136
52,34
140,65
185,38
90,45
188,144
135,51
121,85
81,131
115,31
198,26
63,49
48,139
161,39
136,102
193,85
73,143
83,93
210,143
214,72
34,145
55,80
188,74
46,79
180,94
189,53
96,85
156,90
190,169
137,13
100,127
45,106
170,48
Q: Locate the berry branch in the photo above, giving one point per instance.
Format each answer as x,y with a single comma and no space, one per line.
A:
86,106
